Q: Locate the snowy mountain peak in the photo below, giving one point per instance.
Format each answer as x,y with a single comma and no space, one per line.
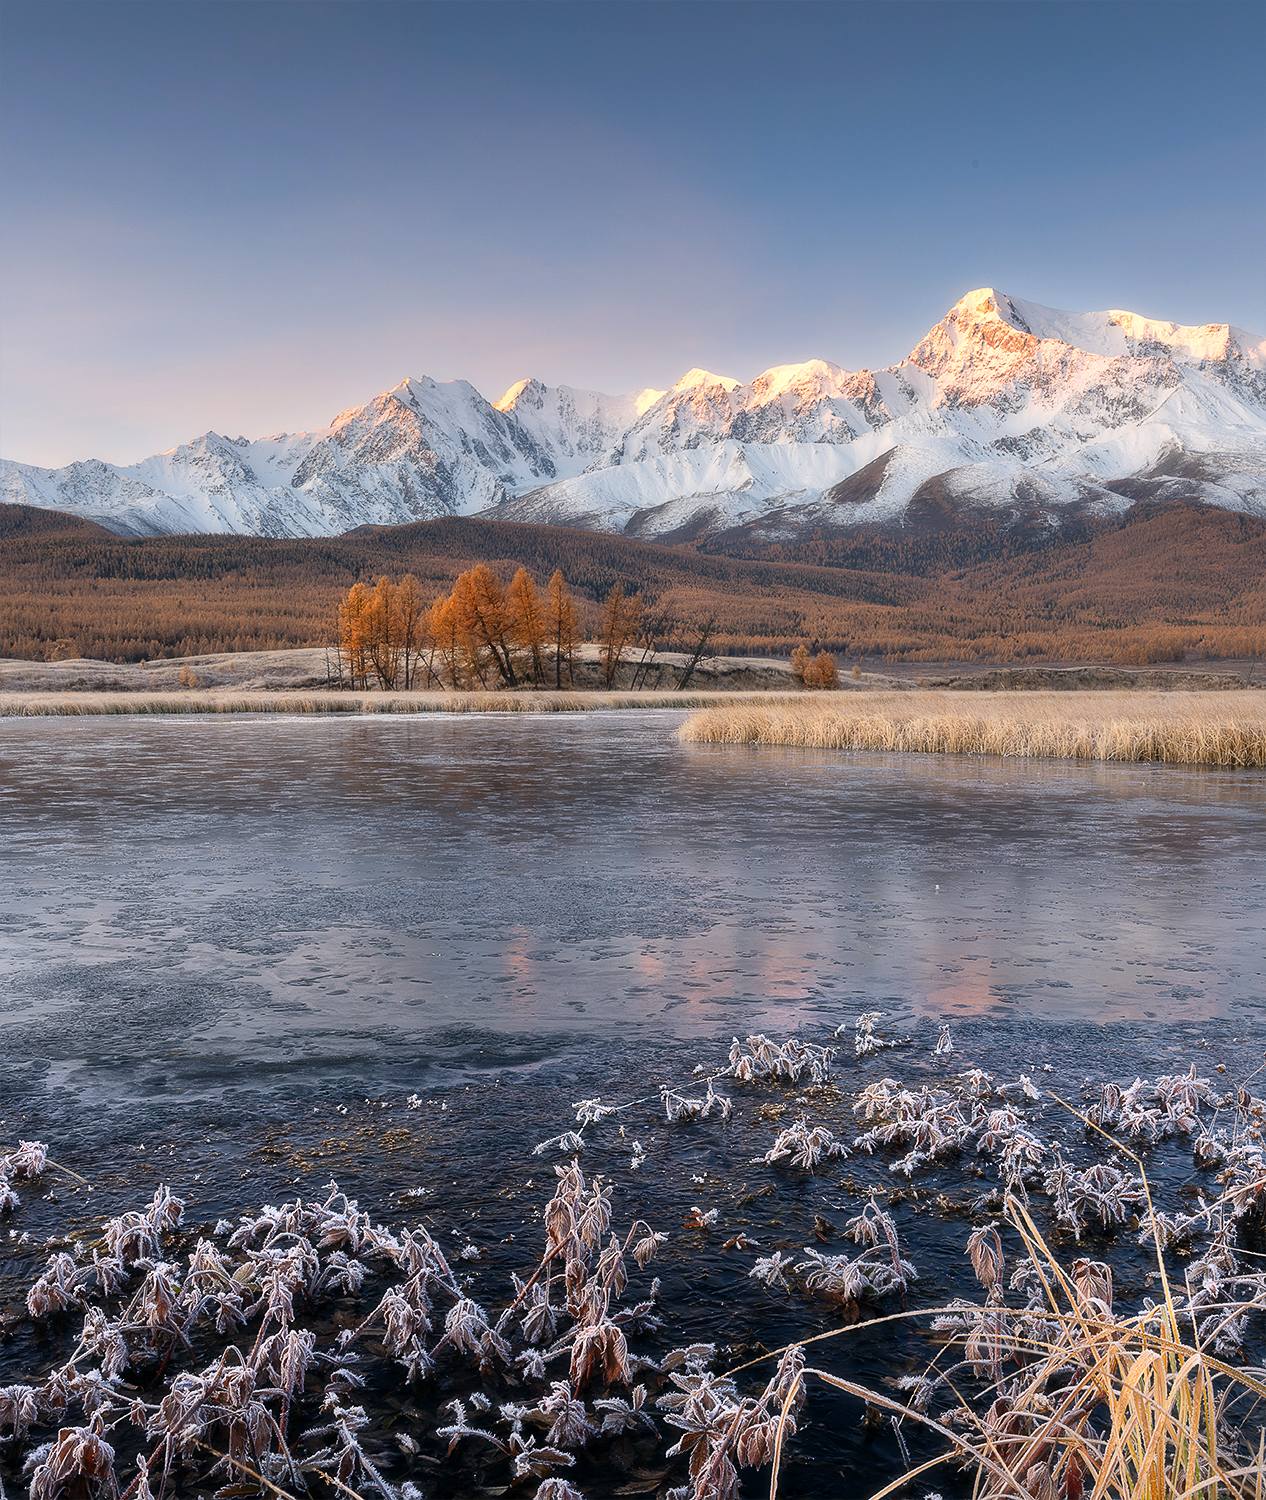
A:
695,378
1113,334
813,377
526,390
644,400
1005,404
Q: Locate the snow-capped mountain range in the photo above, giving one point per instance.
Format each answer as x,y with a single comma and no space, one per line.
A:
1005,406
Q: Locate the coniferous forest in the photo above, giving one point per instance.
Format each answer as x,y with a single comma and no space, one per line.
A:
1160,583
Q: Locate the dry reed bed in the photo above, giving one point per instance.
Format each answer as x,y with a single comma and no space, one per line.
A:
73,704
1215,729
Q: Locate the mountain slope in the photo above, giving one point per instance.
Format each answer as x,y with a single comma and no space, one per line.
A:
1158,582
1005,407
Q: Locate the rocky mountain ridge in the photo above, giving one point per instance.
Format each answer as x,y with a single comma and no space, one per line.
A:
1005,406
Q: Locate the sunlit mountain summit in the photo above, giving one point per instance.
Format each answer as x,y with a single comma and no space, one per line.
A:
1005,408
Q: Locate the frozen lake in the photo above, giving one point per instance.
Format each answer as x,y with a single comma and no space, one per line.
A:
199,904
246,956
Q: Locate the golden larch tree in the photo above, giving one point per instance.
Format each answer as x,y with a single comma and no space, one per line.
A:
621,619
353,634
382,637
413,621
822,673
486,623
444,629
563,625
528,621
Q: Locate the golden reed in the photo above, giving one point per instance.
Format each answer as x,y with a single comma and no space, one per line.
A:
1207,728
281,701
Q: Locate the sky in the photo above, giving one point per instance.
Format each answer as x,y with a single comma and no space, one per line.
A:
247,217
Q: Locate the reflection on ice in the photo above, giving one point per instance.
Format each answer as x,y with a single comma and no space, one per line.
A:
235,893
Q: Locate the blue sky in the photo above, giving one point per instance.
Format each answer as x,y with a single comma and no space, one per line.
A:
248,217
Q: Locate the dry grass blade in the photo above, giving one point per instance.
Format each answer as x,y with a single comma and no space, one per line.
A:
787,1404
238,1463
960,1444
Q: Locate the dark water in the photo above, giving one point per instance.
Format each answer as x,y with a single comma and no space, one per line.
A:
216,935
198,903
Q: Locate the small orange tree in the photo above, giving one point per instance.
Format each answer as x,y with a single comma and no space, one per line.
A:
486,623
621,618
817,671
382,635
445,631
413,622
822,672
353,634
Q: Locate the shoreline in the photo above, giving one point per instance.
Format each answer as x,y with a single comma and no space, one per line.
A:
69,704
1216,727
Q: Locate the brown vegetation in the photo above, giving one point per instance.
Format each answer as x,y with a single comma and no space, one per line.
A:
1160,583
621,619
818,671
1217,729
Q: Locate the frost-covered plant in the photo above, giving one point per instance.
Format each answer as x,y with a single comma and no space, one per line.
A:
1102,1190
343,1457
24,1164
722,1431
139,1236
877,1271
1153,1110
932,1122
19,1410
679,1107
590,1111
79,1457
772,1269
865,1042
785,1062
803,1146
28,1161
569,1142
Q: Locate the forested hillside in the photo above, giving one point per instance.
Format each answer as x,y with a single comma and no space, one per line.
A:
1162,581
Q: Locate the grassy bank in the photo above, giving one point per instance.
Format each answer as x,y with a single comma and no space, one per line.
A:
72,704
1216,729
